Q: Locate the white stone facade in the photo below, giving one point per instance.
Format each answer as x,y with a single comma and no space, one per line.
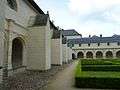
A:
56,52
23,46
65,53
103,49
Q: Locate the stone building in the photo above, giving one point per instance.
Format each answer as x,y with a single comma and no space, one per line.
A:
71,34
28,39
68,53
96,47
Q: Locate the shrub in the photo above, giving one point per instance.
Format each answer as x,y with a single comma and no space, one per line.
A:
101,83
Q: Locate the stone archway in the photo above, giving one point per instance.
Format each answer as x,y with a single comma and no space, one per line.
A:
99,54
109,54
89,54
73,56
118,54
80,55
17,53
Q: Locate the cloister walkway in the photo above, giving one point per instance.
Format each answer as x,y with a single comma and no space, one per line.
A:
64,80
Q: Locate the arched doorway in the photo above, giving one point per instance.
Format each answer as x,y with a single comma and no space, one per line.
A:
109,54
73,56
80,55
118,54
17,53
89,55
99,54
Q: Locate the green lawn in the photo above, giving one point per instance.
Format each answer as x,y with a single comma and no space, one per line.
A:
98,74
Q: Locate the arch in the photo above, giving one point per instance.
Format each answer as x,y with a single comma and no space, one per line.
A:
109,54
99,54
89,54
17,53
80,55
73,56
118,54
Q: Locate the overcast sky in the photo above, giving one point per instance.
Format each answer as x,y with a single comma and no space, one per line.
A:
92,17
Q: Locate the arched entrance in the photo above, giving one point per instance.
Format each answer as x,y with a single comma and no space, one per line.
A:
80,55
89,55
109,54
17,53
73,56
99,54
118,54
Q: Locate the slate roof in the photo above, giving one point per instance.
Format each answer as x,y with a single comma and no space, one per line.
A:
32,2
56,34
70,32
41,20
95,39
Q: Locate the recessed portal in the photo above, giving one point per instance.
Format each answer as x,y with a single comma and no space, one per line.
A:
17,53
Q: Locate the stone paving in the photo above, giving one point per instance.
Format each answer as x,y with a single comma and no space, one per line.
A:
33,80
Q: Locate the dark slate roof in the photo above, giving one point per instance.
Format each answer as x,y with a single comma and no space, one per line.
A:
32,2
70,32
95,39
41,20
56,34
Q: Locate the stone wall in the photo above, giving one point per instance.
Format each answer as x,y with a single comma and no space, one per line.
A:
65,53
39,48
56,52
2,38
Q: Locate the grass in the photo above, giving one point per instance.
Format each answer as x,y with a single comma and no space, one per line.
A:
101,77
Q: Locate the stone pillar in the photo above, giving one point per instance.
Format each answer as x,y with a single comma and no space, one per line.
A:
4,47
85,55
104,55
94,55
114,55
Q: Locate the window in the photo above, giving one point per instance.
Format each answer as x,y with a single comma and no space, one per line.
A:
118,43
108,44
89,45
98,44
72,45
12,4
79,45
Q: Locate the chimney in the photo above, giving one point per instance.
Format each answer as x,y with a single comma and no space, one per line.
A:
48,12
89,36
100,35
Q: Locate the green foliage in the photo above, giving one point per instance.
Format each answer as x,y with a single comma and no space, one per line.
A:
101,83
101,68
98,74
100,62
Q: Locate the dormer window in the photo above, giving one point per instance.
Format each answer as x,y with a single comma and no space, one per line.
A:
118,43
88,44
108,44
79,45
98,44
12,4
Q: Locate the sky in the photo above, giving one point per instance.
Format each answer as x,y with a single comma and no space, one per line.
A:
88,17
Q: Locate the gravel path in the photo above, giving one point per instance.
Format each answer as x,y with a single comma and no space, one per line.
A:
33,80
64,80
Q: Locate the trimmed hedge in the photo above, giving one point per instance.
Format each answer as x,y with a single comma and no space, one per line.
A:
95,62
101,68
101,83
98,74
100,62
